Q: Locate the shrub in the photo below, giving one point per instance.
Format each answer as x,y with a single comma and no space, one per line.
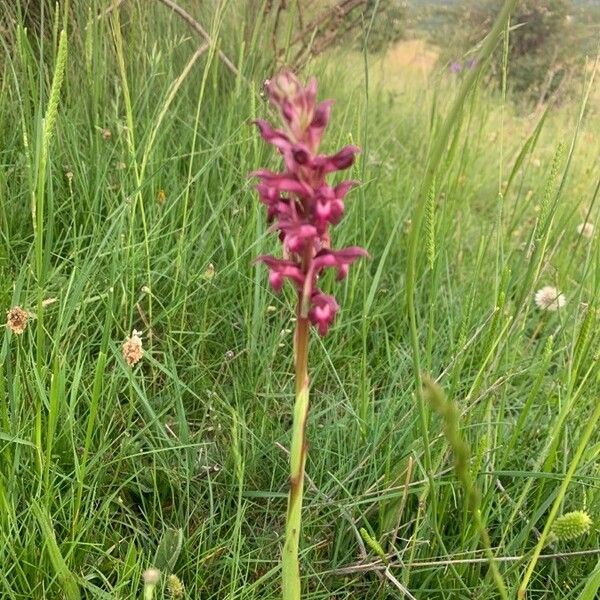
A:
389,23
544,43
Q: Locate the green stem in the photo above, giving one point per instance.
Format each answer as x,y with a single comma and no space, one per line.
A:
290,564
149,592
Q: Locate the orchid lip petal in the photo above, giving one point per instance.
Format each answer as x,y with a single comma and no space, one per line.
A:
337,162
283,182
323,311
342,188
275,137
321,114
284,269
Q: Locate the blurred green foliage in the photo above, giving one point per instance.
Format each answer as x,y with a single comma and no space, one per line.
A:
388,19
548,40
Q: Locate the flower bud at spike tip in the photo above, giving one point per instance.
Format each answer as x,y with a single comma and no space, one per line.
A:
300,203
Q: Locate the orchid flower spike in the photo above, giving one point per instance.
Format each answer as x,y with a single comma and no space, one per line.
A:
301,204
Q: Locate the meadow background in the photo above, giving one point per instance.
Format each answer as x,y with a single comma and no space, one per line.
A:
125,204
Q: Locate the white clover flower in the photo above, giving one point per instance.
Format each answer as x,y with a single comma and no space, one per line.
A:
586,230
151,576
550,298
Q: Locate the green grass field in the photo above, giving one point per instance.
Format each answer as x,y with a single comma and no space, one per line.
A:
125,204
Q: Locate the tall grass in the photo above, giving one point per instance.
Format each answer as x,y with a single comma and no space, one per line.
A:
178,462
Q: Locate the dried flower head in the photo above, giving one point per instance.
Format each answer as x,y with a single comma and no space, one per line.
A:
586,230
550,298
132,348
175,587
16,319
106,134
301,205
161,197
151,576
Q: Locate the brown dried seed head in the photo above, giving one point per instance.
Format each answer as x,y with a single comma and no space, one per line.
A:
132,348
16,319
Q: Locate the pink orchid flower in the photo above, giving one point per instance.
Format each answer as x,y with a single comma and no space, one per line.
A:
300,203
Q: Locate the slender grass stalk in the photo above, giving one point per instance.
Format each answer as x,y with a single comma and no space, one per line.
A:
179,261
39,193
93,414
209,66
168,101
449,413
130,136
55,395
365,382
434,160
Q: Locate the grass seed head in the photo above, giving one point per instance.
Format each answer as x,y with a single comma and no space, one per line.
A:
571,525
175,587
